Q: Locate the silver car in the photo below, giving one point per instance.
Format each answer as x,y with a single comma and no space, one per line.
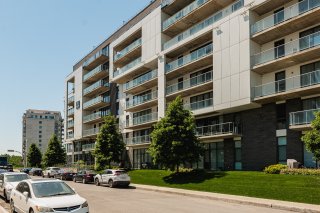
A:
10,180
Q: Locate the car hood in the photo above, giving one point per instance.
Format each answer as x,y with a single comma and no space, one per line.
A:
61,201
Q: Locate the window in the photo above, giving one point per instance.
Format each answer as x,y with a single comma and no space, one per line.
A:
78,105
40,127
311,103
201,101
40,132
279,50
278,16
282,150
310,74
280,84
40,122
309,38
180,83
40,136
40,141
281,116
238,155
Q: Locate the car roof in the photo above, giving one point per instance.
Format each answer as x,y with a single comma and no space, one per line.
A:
14,173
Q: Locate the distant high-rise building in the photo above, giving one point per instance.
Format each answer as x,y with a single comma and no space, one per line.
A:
38,126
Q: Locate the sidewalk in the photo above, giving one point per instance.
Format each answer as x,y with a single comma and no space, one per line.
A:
276,204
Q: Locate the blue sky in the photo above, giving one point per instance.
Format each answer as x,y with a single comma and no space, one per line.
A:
40,41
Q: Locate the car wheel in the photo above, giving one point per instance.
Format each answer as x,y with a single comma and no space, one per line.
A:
96,181
84,181
110,183
12,208
31,211
48,175
74,179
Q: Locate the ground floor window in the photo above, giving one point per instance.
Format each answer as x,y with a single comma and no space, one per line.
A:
309,161
282,150
238,155
141,159
214,156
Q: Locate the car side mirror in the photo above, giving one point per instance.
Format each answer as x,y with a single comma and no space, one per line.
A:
26,194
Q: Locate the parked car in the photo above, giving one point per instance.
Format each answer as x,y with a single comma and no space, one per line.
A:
112,178
25,170
84,176
65,174
3,171
8,181
50,172
36,172
46,195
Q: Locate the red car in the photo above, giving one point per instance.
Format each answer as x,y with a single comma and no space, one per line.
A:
84,176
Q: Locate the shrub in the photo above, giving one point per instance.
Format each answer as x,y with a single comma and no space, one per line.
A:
274,169
314,172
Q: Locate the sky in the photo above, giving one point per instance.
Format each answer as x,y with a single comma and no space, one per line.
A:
40,41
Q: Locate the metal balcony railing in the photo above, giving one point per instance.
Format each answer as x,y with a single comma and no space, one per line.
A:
127,67
217,129
95,86
96,100
91,132
145,139
128,49
138,100
141,79
98,69
142,119
199,104
302,117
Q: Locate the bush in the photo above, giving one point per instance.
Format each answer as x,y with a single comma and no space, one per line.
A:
274,169
313,172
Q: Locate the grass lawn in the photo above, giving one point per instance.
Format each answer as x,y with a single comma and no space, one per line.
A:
296,188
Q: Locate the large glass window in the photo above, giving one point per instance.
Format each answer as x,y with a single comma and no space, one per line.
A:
238,155
282,150
141,159
280,78
278,16
310,74
309,38
201,101
214,156
279,49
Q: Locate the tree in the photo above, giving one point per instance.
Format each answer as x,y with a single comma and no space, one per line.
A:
312,138
34,156
173,139
55,153
109,145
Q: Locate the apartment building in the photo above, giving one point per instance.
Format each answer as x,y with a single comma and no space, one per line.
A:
38,126
247,69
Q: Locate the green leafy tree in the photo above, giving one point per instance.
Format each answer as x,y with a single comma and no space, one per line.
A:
109,145
312,138
34,156
16,161
55,153
173,139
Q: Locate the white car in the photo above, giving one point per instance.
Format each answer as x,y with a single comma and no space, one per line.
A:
113,177
46,195
50,172
10,180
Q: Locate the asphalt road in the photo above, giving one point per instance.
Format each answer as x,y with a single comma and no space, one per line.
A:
104,199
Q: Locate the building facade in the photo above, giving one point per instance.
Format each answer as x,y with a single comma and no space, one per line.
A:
247,69
38,126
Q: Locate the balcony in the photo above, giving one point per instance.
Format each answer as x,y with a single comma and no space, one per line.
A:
289,88
91,132
71,101
129,53
200,107
301,121
70,124
142,121
96,103
99,87
191,86
202,25
289,54
97,73
95,117
88,147
218,131
197,59
142,102
70,112
143,82
172,6
100,57
193,13
70,135
294,18
139,140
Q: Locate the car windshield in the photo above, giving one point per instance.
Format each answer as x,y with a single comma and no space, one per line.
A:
51,189
16,178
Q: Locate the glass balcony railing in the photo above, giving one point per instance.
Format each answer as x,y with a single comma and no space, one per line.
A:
217,129
303,117
138,140
128,49
127,67
98,69
96,100
192,82
138,100
292,83
141,79
182,13
289,48
96,115
88,147
165,3
71,99
143,119
284,15
70,124
207,22
90,132
95,86
71,111
199,104
200,53
70,135
103,52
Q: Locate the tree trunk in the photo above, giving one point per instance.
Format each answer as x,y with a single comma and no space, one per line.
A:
177,168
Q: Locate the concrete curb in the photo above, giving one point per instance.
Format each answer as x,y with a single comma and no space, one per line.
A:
267,203
2,210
